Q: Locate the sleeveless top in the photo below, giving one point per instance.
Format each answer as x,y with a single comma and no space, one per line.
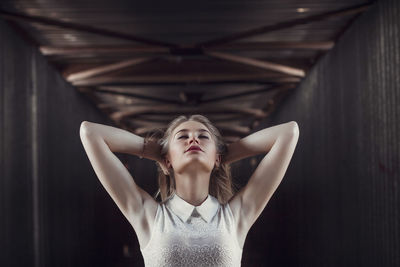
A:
187,235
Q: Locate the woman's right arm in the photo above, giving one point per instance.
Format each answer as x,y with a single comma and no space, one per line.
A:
100,141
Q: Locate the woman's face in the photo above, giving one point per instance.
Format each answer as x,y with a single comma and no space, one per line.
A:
187,134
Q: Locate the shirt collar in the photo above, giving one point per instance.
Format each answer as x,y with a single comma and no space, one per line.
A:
183,209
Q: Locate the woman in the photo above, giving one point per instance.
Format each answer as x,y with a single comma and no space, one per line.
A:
200,221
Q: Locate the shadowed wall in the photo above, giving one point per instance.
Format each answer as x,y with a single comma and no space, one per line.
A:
54,211
339,202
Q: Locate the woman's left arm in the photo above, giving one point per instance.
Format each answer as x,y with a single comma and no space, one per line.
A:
259,142
278,142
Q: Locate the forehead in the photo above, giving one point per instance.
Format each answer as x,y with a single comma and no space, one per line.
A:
190,125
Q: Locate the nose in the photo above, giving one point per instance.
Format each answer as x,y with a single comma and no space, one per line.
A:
193,138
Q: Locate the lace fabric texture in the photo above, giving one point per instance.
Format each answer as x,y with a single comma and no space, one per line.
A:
194,242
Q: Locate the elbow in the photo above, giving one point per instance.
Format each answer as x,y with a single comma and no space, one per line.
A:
293,128
84,128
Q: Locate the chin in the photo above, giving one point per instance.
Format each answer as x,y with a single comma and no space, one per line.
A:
198,164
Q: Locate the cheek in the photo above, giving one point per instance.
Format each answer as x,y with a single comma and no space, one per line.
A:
212,152
175,152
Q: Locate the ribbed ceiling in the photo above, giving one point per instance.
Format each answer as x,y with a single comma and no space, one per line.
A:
143,63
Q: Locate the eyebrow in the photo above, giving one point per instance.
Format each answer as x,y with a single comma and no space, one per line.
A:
199,130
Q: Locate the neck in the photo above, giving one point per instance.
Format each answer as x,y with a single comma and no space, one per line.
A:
192,187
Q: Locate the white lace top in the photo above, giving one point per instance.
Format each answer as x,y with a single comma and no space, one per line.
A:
187,235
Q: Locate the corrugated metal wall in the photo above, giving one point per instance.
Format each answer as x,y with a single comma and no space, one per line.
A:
339,203
53,209
16,154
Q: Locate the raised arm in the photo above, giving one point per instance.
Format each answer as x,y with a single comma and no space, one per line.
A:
100,141
278,143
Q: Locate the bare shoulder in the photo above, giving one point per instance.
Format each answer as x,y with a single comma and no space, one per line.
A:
143,221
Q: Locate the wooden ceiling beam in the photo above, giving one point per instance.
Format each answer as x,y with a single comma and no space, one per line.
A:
135,95
258,63
251,92
165,118
251,46
15,16
140,49
283,25
201,101
106,69
171,109
115,49
186,78
232,128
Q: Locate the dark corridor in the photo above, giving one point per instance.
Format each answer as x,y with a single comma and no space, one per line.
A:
339,202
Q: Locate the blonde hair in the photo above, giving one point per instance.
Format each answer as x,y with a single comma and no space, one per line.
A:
221,185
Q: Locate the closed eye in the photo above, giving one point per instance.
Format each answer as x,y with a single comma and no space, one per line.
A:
201,136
